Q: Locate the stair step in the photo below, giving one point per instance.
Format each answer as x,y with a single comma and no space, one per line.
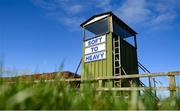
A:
116,41
117,81
116,75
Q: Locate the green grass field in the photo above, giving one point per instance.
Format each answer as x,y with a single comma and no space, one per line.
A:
59,95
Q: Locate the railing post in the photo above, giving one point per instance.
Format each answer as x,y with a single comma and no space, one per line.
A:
100,83
134,96
100,86
172,85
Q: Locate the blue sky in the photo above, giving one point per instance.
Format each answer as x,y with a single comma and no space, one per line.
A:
38,35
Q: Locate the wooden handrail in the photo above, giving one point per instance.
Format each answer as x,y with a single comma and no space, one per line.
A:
174,73
135,88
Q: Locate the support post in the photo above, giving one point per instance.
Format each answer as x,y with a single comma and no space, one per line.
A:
154,86
172,86
100,86
149,79
110,27
134,97
135,41
100,83
84,34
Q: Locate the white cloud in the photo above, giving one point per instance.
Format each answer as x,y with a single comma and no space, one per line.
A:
74,9
66,12
164,17
71,23
105,5
69,8
165,14
134,11
153,14
45,5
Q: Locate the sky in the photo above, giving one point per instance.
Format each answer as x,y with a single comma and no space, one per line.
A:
45,35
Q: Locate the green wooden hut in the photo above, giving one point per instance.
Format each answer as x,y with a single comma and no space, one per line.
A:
109,49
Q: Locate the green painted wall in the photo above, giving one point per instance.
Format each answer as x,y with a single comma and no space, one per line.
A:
128,61
100,68
129,58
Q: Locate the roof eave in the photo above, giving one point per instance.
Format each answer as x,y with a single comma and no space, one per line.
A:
82,24
114,16
129,28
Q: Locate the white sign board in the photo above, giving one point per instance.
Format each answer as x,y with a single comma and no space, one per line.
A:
95,49
95,56
95,41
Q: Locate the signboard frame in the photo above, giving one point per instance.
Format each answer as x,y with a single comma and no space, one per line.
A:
95,48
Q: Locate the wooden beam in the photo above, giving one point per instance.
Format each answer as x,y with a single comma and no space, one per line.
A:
135,88
135,76
128,76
